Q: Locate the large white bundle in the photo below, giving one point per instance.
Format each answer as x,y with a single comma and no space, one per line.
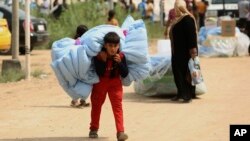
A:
214,45
73,66
93,38
243,43
161,79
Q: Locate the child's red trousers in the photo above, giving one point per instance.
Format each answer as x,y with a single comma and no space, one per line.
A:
112,86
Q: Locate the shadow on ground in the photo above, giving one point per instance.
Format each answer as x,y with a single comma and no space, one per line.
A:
57,139
53,106
159,98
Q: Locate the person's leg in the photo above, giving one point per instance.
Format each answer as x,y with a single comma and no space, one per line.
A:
202,20
193,94
247,29
187,88
115,93
176,74
181,77
249,50
98,96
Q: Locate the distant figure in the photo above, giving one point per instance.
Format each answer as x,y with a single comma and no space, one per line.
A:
57,9
202,9
123,4
131,6
44,7
142,6
195,11
243,6
171,17
189,5
162,11
80,30
115,3
65,5
111,18
150,10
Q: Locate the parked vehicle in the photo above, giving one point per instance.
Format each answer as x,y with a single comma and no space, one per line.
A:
215,8
5,36
38,28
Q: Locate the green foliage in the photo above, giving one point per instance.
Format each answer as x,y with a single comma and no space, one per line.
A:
155,30
37,73
12,76
91,14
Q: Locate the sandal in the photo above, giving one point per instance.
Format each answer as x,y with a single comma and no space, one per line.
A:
121,136
83,103
93,134
73,103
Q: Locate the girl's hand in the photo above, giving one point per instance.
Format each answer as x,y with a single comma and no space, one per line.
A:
117,58
103,56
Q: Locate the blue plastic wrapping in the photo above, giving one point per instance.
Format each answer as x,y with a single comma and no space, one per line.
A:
73,66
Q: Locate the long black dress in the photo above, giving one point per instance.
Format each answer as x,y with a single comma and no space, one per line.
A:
183,38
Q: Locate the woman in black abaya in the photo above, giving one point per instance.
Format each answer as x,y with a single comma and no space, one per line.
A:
183,36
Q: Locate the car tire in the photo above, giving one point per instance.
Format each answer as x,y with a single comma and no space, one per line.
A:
22,50
7,52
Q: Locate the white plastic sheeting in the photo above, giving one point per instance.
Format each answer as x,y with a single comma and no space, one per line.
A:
214,45
161,79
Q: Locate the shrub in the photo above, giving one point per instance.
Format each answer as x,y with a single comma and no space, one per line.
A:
12,76
90,13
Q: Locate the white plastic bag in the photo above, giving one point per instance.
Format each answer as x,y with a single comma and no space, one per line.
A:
242,44
195,71
201,88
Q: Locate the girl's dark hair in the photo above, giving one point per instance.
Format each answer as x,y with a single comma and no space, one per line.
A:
111,37
80,30
111,14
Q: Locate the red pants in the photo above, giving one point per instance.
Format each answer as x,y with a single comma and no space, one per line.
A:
114,89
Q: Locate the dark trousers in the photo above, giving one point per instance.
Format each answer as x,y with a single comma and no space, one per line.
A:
242,23
201,20
247,29
184,88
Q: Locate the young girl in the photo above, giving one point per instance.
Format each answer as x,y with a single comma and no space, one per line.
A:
110,65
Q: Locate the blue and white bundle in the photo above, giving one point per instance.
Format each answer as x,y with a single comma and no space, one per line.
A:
73,64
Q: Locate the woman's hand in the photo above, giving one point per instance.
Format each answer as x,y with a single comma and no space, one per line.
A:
117,58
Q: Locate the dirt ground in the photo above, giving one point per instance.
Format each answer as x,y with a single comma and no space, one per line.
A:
38,110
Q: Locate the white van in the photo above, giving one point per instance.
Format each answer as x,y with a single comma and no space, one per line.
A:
215,8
